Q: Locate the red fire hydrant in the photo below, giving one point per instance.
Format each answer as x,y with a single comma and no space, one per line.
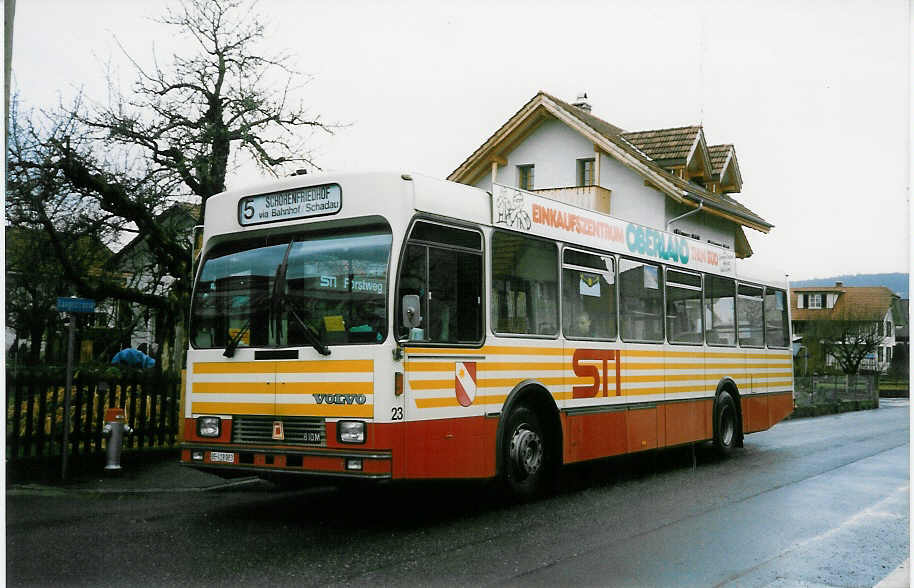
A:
115,428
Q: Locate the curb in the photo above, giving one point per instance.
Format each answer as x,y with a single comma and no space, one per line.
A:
40,490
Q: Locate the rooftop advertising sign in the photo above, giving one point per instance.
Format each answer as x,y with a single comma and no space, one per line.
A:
523,211
290,204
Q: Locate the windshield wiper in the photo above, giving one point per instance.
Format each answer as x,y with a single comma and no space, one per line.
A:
236,339
232,344
311,334
279,303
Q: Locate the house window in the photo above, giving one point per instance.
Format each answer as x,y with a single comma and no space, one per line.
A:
815,301
525,177
888,329
585,172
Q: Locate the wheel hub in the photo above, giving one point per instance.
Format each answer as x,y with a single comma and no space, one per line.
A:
526,451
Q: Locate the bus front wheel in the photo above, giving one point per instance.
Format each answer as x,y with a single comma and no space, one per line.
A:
725,430
526,456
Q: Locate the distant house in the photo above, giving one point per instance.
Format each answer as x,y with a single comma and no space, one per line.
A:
139,268
670,179
876,305
902,343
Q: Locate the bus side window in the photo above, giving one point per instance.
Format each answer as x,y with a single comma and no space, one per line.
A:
641,301
750,325
720,311
589,295
524,285
443,266
683,307
776,318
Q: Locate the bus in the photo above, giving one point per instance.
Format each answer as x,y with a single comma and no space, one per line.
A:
390,326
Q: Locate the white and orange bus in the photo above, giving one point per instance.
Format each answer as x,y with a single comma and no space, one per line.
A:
388,326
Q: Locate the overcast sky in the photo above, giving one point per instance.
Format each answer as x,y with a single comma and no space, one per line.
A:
813,94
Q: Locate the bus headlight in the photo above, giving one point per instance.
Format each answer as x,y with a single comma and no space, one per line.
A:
350,431
209,426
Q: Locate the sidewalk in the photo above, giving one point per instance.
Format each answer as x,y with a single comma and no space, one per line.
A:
164,475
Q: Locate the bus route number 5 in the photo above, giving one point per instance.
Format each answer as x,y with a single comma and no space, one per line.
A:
248,208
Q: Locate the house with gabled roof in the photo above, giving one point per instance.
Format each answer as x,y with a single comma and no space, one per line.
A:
876,305
669,179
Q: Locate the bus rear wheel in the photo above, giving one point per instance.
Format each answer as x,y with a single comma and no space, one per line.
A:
525,454
725,424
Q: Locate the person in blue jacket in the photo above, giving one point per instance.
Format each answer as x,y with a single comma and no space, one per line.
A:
133,357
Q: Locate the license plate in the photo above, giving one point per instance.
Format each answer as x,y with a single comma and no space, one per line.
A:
221,457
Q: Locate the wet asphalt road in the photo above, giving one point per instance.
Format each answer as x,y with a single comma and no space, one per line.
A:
814,501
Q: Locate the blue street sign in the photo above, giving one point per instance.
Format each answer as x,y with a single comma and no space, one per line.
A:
75,305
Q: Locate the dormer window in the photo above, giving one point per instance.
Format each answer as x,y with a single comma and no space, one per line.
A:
815,301
525,177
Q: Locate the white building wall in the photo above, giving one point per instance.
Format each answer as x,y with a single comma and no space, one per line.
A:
631,200
553,149
707,226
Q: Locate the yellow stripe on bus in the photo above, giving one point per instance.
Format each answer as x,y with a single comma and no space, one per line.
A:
451,401
284,367
234,388
325,388
505,366
232,407
354,410
661,353
633,365
283,388
326,410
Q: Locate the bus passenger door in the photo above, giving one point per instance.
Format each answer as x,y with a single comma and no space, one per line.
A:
444,405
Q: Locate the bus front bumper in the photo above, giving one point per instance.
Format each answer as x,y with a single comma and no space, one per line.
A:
232,460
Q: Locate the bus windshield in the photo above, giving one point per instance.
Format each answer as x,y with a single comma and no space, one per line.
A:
316,289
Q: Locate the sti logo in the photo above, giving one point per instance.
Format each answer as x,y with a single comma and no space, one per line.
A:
589,370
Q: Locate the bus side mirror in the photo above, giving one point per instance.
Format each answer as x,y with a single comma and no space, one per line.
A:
411,316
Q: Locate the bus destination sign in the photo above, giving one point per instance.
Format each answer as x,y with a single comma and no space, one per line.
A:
290,204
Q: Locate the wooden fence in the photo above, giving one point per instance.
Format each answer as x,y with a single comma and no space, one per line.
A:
35,405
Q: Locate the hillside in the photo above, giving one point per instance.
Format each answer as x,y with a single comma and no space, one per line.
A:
896,282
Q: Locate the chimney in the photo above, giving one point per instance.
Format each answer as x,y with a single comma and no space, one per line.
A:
581,102
839,284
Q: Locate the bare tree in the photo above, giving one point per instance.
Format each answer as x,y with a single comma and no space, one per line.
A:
848,336
108,171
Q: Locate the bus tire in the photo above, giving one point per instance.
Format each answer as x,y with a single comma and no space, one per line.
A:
526,455
726,428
